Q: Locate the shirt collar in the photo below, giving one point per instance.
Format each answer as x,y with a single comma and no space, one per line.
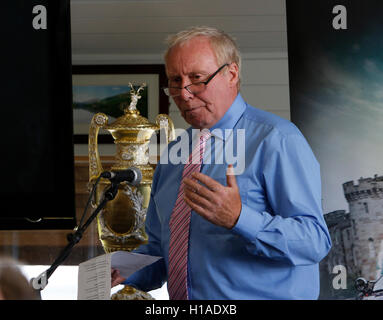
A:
228,121
231,117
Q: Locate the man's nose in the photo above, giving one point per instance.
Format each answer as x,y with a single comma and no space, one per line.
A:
185,94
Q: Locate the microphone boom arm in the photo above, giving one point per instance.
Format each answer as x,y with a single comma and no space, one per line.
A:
40,282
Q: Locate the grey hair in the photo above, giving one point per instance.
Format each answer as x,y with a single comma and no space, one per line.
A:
223,45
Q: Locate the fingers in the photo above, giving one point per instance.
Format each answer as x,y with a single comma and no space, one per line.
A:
213,201
198,197
195,187
196,207
230,177
116,278
207,181
208,214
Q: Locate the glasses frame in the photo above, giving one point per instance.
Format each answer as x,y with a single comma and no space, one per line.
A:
166,89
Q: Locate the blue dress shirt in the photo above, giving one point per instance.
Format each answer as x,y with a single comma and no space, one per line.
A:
274,250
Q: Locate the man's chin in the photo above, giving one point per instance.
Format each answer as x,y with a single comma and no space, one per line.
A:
195,122
196,117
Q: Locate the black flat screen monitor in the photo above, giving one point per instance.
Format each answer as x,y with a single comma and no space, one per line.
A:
37,161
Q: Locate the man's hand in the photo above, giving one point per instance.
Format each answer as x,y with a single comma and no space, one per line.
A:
213,201
116,278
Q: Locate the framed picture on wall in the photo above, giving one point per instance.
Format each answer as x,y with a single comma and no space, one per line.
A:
106,88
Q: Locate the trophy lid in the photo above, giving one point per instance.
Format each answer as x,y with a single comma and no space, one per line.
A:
131,120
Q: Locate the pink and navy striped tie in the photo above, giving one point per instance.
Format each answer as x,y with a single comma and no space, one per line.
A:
179,227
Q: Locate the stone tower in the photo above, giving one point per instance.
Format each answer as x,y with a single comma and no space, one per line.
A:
366,224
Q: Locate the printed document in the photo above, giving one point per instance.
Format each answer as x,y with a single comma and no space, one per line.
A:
94,275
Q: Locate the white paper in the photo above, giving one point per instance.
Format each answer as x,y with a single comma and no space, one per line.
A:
94,279
94,275
128,262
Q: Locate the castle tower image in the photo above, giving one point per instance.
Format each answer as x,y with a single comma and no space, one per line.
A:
357,235
365,202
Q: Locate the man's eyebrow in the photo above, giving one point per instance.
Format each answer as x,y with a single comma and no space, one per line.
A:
172,75
199,72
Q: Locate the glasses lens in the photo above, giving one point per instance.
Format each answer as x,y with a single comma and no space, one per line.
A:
171,92
196,88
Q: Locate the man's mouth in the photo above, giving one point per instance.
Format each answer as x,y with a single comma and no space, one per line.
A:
191,109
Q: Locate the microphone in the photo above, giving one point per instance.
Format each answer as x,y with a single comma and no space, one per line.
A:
132,176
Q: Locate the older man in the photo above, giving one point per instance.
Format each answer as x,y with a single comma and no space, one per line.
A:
258,234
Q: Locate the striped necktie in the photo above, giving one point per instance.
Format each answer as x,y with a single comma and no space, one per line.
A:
179,227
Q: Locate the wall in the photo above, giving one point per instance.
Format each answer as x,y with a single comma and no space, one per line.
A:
265,82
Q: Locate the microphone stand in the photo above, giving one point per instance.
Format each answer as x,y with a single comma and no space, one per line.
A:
41,281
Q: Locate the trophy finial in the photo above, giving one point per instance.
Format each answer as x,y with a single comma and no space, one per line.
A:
134,96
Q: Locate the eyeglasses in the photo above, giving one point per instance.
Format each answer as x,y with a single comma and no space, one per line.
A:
193,88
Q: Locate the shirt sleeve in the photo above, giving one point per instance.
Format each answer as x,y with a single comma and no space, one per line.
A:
153,276
292,228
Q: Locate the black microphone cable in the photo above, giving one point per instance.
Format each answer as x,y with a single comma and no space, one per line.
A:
88,202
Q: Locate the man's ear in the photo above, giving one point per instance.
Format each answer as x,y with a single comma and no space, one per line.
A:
233,74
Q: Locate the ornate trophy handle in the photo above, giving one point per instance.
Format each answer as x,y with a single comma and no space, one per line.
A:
165,122
99,120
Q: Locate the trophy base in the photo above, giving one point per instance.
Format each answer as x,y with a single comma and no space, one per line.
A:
130,293
112,246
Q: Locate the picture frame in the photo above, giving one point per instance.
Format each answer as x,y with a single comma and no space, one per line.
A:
92,82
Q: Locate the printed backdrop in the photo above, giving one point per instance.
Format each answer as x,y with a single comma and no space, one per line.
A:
336,95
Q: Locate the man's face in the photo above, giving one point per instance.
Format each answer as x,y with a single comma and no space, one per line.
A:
193,62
